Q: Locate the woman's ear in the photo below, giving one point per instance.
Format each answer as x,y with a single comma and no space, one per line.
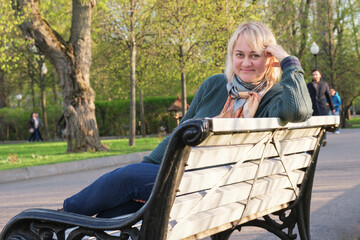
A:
274,62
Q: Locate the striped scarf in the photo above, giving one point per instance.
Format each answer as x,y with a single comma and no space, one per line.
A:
244,98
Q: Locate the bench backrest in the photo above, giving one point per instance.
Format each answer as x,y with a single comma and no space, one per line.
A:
236,170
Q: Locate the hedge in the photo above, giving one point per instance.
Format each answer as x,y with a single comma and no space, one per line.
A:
112,118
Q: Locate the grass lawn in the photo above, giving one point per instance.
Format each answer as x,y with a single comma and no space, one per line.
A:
41,153
355,121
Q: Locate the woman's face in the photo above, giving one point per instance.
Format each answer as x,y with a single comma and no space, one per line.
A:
249,65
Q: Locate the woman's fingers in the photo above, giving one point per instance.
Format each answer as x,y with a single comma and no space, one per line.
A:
277,51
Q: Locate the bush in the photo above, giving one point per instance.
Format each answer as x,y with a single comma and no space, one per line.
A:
357,105
14,122
112,118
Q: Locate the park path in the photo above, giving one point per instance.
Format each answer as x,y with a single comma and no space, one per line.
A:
335,211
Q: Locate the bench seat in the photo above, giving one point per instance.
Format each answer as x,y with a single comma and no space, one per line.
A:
217,176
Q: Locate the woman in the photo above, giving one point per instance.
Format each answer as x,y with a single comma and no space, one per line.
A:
33,124
247,89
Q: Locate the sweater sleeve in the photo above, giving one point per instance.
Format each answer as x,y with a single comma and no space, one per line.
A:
208,102
293,102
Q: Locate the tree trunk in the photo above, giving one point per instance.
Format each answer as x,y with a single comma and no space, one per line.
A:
3,96
142,114
72,61
32,84
42,86
304,29
354,31
43,105
349,114
183,92
132,124
54,87
327,50
183,82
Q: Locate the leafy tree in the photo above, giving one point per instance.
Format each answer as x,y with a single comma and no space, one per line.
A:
290,22
346,70
193,36
11,46
179,24
129,23
222,18
72,61
335,23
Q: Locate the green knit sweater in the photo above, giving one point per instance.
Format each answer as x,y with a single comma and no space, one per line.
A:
288,100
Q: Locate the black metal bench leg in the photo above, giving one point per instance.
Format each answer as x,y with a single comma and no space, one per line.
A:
225,235
303,221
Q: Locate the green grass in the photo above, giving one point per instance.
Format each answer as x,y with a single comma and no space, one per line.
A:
41,153
354,120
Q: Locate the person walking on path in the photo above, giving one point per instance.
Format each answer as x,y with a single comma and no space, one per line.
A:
38,129
33,124
337,103
320,93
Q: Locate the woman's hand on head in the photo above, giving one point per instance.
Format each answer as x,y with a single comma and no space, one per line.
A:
278,52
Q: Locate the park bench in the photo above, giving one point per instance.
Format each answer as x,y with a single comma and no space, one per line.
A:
217,176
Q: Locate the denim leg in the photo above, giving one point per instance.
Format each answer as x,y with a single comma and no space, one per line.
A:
129,183
126,208
36,131
32,137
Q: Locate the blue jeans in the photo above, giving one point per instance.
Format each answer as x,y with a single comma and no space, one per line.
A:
116,193
34,136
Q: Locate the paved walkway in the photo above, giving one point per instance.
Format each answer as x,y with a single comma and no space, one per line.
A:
68,167
335,212
335,205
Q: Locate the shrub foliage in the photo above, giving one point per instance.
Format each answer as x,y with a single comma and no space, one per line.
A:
112,118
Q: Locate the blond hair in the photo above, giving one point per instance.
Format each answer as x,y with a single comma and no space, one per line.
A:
257,36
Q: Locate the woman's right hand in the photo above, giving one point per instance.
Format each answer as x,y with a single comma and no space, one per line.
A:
278,52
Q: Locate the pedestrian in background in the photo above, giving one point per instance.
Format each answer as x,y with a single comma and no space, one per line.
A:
38,129
337,103
320,93
33,124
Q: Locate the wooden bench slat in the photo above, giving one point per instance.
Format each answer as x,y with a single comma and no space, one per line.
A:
263,202
229,225
298,145
206,178
222,196
297,133
233,138
272,183
218,216
204,220
201,157
204,157
258,124
231,193
253,137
